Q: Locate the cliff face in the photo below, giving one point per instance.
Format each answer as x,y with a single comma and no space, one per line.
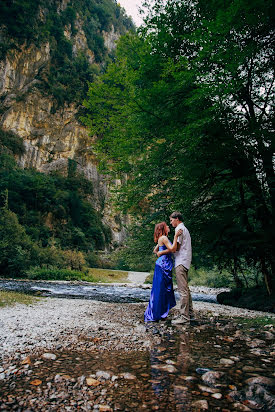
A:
52,133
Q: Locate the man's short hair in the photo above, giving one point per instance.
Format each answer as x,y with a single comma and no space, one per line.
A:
177,215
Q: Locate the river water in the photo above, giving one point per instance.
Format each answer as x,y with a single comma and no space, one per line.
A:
105,293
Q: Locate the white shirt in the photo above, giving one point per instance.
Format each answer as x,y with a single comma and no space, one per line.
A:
183,256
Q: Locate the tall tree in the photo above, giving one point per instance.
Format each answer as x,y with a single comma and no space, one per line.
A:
185,112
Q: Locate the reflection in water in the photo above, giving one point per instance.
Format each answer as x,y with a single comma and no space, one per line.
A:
170,360
181,392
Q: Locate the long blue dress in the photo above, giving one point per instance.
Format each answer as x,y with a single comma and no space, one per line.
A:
162,297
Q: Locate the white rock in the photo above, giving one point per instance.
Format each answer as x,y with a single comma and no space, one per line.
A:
226,362
201,404
103,374
217,395
50,356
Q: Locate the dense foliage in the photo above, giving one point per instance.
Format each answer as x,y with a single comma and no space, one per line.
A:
185,117
46,220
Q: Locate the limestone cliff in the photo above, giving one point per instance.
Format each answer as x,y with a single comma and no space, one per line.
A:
51,130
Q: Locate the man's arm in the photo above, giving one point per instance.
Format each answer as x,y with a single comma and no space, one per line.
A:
171,249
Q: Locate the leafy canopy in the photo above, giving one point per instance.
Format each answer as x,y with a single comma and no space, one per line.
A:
184,117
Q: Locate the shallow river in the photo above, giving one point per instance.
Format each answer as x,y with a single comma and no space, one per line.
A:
171,376
216,365
90,291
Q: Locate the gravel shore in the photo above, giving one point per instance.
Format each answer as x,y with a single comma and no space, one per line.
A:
53,323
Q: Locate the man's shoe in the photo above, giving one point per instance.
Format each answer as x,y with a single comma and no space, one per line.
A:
180,321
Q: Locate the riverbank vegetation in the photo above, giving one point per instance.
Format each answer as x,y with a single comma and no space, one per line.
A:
88,275
8,298
46,221
256,298
184,116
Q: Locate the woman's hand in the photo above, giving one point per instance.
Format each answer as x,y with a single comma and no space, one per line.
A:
156,248
178,233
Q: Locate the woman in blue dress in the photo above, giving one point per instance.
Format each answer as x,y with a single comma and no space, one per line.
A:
162,297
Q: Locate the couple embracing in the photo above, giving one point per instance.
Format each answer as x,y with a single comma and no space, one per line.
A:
162,297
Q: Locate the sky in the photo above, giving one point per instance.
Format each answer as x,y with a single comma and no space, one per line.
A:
131,7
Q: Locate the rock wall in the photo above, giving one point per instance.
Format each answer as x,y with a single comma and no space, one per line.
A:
51,136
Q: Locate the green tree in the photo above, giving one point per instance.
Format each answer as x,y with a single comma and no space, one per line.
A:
15,245
184,117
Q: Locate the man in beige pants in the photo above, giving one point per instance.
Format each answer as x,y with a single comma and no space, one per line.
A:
183,256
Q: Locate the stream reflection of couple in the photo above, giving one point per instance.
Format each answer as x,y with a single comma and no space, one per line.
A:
162,297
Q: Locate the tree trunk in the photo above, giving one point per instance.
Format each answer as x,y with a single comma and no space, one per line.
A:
267,277
238,282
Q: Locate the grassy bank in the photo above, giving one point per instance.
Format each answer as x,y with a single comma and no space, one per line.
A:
201,277
11,298
89,275
258,322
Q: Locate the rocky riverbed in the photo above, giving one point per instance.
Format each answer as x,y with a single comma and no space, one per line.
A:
69,355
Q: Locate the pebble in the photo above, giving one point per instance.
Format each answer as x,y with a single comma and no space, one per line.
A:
261,380
50,356
211,377
201,404
92,382
103,374
167,368
128,375
203,388
226,362
241,407
201,371
217,395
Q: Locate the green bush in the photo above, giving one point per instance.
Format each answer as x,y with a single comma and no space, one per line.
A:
52,207
11,142
15,246
92,260
55,274
210,278
255,298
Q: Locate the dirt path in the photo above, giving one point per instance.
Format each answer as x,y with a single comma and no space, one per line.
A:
138,278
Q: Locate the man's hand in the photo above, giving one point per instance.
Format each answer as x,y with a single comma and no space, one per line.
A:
159,254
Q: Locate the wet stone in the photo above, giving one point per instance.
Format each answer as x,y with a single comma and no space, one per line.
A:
50,356
200,405
216,395
103,374
201,371
204,388
128,376
226,362
211,377
252,369
240,407
261,380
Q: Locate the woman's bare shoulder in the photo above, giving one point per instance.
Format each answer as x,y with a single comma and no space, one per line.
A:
162,240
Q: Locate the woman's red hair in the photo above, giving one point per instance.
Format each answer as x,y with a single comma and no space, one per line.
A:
160,230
